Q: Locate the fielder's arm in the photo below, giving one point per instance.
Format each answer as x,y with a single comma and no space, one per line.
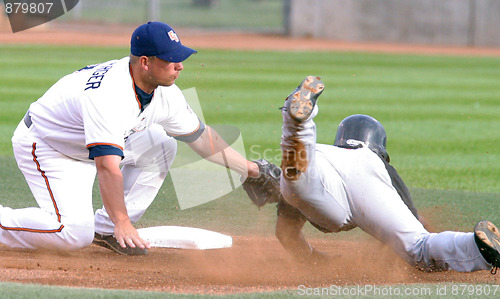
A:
111,187
212,147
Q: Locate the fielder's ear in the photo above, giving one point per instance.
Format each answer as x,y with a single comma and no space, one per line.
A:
144,61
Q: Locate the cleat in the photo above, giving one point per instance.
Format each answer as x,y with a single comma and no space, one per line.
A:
487,239
301,102
111,243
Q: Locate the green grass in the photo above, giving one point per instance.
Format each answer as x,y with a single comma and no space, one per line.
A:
21,291
441,114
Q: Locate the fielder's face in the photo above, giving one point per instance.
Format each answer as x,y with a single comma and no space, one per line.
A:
162,72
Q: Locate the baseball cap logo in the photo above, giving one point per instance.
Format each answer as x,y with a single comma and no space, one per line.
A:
173,36
160,40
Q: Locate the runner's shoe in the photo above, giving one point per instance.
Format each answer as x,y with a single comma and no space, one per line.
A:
301,102
487,239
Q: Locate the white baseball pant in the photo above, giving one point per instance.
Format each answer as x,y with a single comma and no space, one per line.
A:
345,188
62,187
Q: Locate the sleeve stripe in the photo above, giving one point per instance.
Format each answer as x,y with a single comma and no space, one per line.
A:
102,143
182,135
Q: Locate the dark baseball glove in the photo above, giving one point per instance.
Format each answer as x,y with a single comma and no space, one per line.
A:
266,187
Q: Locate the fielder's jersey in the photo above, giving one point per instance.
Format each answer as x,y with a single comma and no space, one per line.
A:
96,108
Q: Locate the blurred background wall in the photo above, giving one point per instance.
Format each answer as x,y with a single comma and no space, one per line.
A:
436,22
471,23
220,15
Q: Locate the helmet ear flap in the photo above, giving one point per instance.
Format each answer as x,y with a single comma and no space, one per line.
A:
382,153
361,130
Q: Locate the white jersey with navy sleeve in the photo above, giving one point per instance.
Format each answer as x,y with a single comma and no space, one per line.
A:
98,106
92,112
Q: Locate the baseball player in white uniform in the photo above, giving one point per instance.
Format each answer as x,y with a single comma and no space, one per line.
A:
120,120
346,185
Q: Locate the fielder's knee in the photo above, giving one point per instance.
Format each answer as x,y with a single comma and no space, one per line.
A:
76,236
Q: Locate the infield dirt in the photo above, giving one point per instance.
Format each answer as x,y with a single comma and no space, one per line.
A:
253,264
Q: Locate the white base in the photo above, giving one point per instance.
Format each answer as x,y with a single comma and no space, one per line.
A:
184,237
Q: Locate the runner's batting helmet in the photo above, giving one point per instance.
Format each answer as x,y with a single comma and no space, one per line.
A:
362,130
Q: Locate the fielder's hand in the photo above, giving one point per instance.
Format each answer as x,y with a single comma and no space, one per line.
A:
127,236
266,187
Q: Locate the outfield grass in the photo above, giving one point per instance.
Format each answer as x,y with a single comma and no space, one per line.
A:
442,291
441,114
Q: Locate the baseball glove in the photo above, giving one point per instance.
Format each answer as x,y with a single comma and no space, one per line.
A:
266,187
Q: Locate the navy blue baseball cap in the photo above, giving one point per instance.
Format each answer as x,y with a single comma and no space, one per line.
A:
160,40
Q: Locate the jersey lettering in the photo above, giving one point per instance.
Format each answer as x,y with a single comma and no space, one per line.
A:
95,80
88,67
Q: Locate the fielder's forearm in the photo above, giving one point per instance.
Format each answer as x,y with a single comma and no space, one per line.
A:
212,147
111,187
